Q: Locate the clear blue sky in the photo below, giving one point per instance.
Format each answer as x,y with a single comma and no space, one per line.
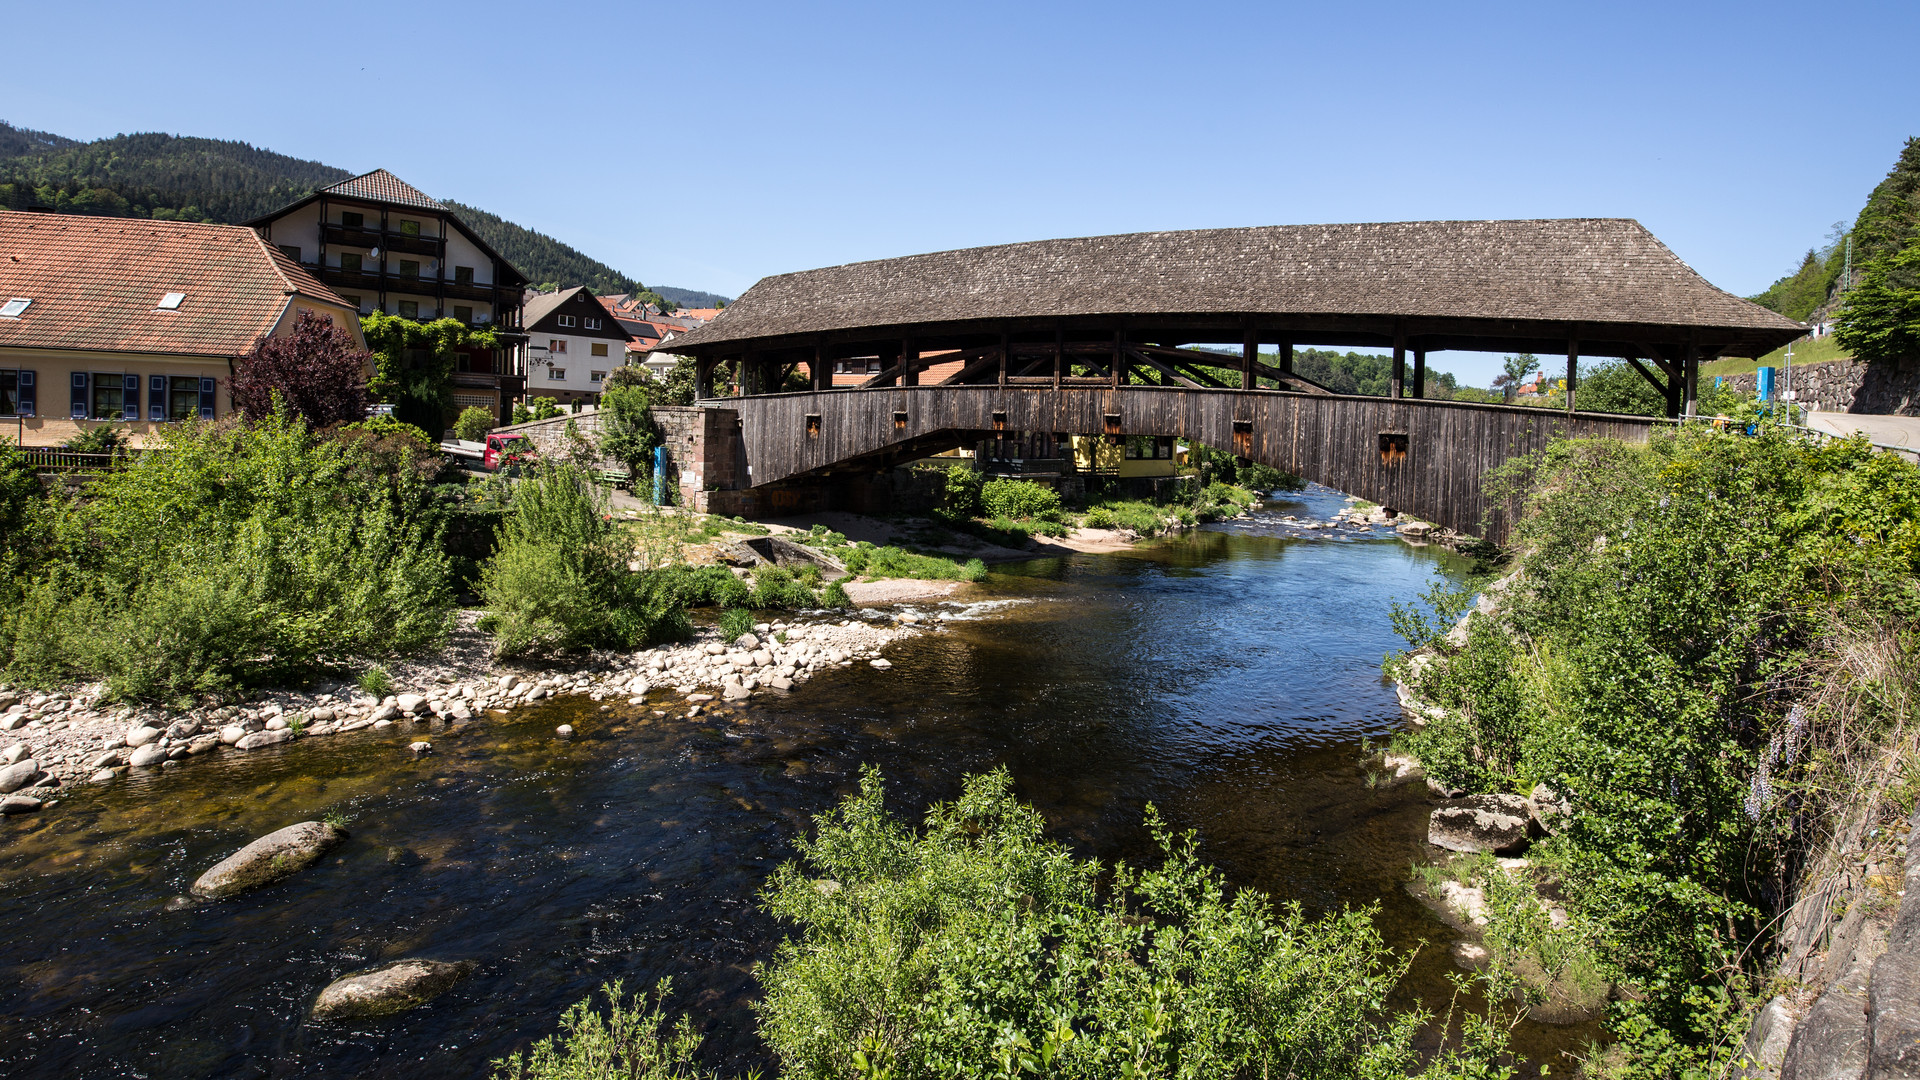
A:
707,145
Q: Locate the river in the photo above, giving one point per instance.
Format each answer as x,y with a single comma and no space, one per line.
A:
1227,675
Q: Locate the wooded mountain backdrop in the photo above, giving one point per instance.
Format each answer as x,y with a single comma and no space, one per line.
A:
219,180
1884,227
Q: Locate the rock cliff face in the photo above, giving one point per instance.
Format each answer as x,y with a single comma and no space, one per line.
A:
1853,942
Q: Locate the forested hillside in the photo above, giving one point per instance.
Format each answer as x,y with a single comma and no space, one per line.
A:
219,180
1884,227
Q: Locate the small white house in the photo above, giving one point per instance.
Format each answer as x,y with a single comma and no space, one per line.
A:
573,344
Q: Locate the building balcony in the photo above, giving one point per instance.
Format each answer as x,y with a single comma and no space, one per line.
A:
364,281
390,240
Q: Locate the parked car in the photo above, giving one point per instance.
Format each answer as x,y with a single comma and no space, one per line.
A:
504,451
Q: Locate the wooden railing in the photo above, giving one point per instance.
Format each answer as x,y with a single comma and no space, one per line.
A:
55,459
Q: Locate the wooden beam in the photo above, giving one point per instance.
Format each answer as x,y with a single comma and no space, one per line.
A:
909,363
1119,357
820,371
1693,381
1162,369
1648,375
1573,368
1419,373
1249,356
1286,357
1059,353
1006,346
1399,381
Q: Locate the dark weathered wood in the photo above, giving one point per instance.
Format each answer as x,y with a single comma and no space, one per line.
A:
1249,356
1399,364
1573,369
1419,372
1334,439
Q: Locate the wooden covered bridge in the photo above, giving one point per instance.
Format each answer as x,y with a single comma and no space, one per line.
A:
1096,336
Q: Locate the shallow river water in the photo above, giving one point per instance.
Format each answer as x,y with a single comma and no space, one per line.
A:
1227,676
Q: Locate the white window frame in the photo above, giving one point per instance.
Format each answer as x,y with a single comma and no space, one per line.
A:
556,374
566,320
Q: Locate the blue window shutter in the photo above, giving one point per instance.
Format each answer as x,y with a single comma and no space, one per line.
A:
130,400
156,397
206,399
26,393
78,398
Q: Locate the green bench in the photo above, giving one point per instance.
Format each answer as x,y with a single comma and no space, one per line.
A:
618,478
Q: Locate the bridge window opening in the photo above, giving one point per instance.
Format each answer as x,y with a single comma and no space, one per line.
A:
1026,453
1150,448
999,421
1112,422
1393,448
813,425
1243,438
899,420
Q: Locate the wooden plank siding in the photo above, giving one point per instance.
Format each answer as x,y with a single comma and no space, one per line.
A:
1449,447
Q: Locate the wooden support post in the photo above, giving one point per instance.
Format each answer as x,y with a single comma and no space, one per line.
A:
909,363
749,374
1693,381
1059,354
1286,357
703,378
1119,358
1419,373
820,370
1006,347
1249,353
1573,369
1399,364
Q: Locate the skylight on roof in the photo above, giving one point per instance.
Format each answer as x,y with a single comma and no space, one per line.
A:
12,308
171,301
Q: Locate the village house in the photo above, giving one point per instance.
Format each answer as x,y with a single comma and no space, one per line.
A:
573,344
385,246
136,322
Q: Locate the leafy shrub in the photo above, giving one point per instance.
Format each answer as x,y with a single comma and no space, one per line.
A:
376,681
103,439
776,587
960,496
545,408
978,947
703,586
1257,477
237,555
627,432
1675,607
835,596
1099,518
560,579
317,371
734,623
632,1041
474,423
1004,497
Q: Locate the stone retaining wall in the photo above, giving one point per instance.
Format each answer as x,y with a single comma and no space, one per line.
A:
703,451
1847,386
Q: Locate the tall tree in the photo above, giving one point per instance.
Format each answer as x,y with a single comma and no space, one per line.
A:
414,364
1881,321
317,370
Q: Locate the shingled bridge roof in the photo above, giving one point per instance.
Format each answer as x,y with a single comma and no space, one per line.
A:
1599,275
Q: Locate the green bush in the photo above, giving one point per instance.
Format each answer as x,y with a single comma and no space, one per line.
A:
734,623
978,947
775,587
835,596
1099,518
1676,607
632,1041
960,496
233,556
376,681
627,432
105,439
560,579
1263,478
1004,497
544,408
703,586
474,423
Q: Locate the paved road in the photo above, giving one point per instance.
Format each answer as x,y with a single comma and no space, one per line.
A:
1901,431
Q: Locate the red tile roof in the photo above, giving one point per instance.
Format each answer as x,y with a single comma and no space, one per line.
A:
382,186
96,283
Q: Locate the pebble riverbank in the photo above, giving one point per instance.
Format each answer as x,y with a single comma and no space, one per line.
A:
60,739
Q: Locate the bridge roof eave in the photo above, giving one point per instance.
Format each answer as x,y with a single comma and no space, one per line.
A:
1434,333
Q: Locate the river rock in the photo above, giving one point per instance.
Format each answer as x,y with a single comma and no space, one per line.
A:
1550,809
746,642
881,662
232,734
18,775
17,752
147,755
736,692
386,712
102,776
565,731
278,723
410,702
254,740
1496,823
203,743
274,856
420,748
109,759
19,804
536,693
141,735
389,989
1401,768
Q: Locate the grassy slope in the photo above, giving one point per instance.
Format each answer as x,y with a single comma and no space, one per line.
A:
1804,352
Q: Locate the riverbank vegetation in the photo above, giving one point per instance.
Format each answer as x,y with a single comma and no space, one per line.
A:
1707,650
976,946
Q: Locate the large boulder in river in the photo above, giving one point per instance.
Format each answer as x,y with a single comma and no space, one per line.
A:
1500,824
18,775
274,856
389,989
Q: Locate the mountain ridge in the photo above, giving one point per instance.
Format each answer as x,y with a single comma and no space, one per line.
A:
175,177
